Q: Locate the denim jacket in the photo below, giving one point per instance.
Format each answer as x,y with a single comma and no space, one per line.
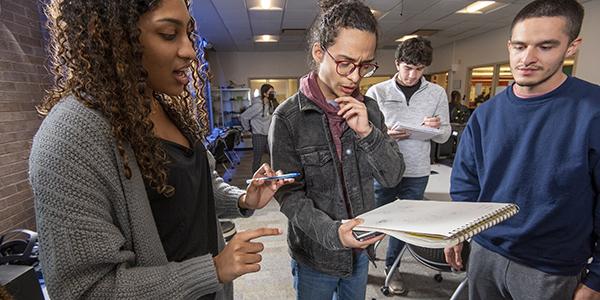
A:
300,141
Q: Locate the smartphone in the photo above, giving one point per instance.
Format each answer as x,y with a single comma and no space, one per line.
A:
365,235
278,177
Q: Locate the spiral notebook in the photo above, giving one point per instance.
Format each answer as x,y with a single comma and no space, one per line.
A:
435,224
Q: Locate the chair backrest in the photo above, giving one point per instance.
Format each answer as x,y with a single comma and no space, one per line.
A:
435,259
232,138
19,247
218,150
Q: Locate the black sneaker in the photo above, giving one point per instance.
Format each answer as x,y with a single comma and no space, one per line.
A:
228,229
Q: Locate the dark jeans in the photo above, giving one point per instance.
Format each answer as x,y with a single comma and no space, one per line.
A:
410,188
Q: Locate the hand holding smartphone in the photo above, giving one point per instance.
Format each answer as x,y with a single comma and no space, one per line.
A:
365,235
278,177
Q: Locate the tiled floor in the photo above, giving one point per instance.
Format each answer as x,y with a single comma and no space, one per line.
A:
274,281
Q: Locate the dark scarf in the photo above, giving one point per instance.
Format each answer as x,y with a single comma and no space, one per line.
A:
309,86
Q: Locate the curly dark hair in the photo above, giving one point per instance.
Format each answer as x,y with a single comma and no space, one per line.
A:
96,55
415,51
336,14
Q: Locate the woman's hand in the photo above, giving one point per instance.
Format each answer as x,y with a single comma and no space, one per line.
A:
260,192
240,255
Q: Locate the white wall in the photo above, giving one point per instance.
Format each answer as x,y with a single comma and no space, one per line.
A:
241,66
487,48
588,64
490,48
464,54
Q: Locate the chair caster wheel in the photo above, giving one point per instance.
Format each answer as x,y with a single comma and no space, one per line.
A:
385,290
438,277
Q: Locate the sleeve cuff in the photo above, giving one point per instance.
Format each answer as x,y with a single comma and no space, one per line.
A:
244,212
592,281
336,244
369,142
231,206
199,277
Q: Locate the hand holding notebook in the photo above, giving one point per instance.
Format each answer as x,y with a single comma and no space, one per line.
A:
417,132
435,224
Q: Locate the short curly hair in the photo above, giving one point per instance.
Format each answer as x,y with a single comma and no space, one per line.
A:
415,51
336,14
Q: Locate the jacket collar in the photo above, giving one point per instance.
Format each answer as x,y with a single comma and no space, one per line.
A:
306,104
424,82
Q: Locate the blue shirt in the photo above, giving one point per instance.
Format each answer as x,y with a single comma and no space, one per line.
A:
541,153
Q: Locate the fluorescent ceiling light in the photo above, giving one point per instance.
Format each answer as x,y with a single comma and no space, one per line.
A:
266,38
376,13
482,7
265,5
406,37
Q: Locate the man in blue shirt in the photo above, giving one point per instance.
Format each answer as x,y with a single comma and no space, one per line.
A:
536,144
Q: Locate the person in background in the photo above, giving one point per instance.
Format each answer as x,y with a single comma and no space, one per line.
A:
257,119
535,144
336,138
409,98
459,113
126,197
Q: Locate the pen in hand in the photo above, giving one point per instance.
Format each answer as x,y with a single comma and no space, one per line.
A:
434,116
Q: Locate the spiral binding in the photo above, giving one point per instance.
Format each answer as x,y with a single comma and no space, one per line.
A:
482,223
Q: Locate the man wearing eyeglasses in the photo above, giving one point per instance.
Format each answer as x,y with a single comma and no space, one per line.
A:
410,99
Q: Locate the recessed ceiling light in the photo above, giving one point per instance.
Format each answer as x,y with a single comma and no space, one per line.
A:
265,5
482,7
376,13
406,37
266,38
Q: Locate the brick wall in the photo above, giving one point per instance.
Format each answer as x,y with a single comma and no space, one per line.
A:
23,79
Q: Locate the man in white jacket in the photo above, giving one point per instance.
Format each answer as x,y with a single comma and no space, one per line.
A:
411,99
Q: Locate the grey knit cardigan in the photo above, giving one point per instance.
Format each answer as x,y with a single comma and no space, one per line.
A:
97,234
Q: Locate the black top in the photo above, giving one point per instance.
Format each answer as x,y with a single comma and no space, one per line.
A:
409,90
186,221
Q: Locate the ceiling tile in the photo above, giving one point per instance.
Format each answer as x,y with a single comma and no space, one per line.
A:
230,26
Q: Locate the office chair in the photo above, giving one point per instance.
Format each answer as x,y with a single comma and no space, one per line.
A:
232,137
218,150
433,259
19,247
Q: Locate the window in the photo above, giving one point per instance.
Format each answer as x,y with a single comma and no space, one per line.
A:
284,87
505,78
488,80
439,79
367,82
480,84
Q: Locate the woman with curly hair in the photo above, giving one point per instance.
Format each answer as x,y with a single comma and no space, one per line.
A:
126,196
338,140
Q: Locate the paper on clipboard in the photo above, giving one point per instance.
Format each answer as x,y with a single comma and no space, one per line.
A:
417,132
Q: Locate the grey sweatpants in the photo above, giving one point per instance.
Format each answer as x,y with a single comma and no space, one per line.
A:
492,276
